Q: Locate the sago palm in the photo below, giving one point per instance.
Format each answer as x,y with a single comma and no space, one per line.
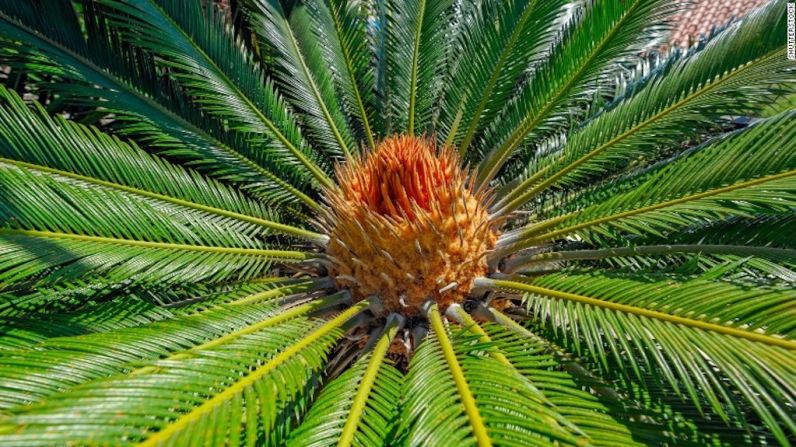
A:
393,222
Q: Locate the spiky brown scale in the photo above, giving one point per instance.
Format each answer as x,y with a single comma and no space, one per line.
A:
406,225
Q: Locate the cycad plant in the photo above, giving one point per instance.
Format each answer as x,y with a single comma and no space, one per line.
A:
393,222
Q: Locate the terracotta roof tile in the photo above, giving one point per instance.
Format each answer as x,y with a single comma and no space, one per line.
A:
702,15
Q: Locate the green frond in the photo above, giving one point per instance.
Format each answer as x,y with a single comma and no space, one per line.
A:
534,359
456,393
29,304
593,49
415,33
223,386
92,356
302,72
734,369
34,317
51,221
92,73
54,220
288,374
762,230
47,257
692,94
179,267
26,300
360,406
605,416
745,174
644,255
59,18
80,307
125,311
753,308
214,68
103,353
609,416
40,201
496,46
66,149
766,252
68,146
341,32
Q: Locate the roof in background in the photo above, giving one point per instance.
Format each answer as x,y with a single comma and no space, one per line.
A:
702,15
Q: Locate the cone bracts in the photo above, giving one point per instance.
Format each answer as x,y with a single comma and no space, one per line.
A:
407,225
